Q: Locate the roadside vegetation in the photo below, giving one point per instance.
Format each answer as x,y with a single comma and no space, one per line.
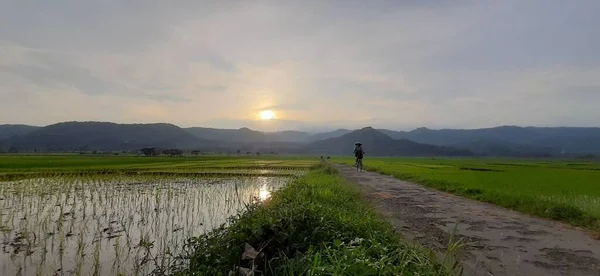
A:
317,225
567,191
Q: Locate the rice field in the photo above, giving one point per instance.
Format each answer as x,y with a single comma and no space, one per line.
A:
111,217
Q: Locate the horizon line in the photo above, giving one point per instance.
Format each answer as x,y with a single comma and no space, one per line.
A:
297,130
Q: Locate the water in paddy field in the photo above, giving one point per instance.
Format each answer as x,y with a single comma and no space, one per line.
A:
113,226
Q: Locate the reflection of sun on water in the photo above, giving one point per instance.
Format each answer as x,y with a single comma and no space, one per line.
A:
264,194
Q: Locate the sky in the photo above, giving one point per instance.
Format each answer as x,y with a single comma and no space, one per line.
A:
315,63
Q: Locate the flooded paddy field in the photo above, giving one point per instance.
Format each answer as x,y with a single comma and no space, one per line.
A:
123,220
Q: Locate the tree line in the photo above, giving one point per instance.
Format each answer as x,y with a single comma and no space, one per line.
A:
149,152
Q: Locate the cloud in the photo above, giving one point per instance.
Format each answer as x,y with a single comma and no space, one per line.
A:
58,70
397,64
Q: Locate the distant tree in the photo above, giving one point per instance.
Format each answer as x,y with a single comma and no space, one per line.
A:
173,152
149,151
95,152
195,152
248,153
258,153
13,149
239,152
587,157
328,157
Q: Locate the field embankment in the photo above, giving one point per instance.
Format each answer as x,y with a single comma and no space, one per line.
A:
317,225
567,191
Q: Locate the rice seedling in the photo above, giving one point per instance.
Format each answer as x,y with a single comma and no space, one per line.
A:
131,225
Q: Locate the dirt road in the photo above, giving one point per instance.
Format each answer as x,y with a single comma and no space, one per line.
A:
499,241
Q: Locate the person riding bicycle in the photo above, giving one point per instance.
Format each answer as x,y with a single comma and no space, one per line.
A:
359,154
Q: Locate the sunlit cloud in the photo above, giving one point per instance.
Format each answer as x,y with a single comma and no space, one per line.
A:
315,64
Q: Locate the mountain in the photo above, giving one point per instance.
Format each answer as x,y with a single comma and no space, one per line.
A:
377,143
393,133
228,135
71,136
288,136
511,140
498,141
7,131
327,135
246,135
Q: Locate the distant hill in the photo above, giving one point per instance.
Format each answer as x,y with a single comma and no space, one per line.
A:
511,140
7,131
377,143
105,136
247,135
498,141
327,135
228,135
288,136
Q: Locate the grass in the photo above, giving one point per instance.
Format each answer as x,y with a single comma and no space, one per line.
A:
15,167
567,191
317,225
61,163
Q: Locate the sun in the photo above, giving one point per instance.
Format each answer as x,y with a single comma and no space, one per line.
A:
267,115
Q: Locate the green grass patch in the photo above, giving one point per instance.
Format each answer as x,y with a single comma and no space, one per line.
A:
556,189
317,225
20,163
14,167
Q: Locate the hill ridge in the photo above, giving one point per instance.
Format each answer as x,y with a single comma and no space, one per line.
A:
505,140
377,143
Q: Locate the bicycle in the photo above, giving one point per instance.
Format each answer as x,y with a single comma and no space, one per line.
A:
359,164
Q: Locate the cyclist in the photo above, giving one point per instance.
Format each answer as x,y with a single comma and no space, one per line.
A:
359,154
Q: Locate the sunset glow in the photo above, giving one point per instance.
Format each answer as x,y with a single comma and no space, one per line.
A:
267,115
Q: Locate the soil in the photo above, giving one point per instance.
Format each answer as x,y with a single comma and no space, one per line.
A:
497,241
